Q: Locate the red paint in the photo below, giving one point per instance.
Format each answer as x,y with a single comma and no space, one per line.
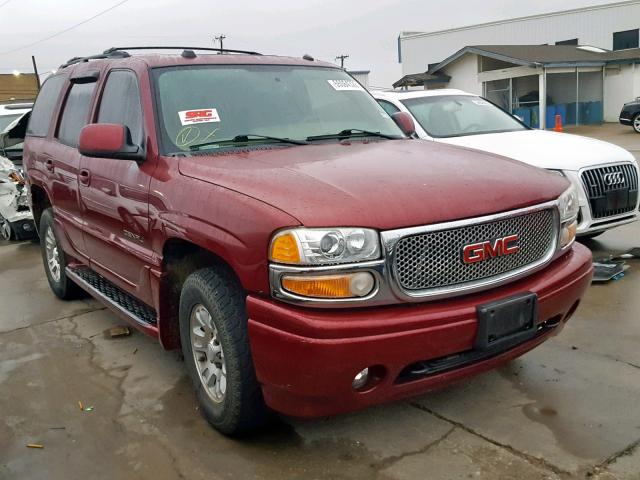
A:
120,220
101,137
479,252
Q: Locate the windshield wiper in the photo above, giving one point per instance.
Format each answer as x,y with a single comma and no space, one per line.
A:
352,132
246,138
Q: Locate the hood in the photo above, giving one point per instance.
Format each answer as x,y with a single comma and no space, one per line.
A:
381,184
558,151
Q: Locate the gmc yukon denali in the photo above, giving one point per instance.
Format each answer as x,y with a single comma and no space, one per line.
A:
266,216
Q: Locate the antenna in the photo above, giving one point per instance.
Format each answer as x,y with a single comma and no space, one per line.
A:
342,58
220,38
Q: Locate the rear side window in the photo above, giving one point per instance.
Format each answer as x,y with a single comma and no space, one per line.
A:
44,106
76,113
121,103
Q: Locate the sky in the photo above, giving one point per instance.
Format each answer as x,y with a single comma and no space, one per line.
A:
366,30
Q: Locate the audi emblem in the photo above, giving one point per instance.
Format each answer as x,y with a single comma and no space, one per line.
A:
613,179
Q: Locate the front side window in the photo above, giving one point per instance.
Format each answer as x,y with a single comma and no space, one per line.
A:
76,113
5,120
458,115
205,104
120,103
45,104
389,107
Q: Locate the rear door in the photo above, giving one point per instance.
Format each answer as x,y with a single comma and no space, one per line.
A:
59,157
114,193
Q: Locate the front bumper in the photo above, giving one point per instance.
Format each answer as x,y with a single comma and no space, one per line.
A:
306,358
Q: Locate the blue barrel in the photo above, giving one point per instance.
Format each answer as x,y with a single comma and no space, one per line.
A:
595,112
524,114
535,117
550,118
571,113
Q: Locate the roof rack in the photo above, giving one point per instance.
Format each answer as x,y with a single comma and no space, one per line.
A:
113,54
211,49
121,52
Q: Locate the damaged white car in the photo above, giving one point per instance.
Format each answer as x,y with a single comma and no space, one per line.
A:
16,220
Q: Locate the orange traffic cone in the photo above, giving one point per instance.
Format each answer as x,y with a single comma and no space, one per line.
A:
558,127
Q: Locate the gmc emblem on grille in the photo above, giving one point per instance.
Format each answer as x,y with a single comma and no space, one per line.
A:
614,178
479,252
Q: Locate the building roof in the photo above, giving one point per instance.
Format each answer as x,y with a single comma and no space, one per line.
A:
420,79
545,55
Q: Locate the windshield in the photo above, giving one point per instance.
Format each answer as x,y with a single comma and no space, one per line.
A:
199,105
458,115
5,120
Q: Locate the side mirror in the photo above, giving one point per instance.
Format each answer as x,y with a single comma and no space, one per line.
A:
405,122
109,140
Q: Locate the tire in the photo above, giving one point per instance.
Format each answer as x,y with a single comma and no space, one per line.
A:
232,401
61,285
636,123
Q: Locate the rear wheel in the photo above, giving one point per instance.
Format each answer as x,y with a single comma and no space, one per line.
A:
636,123
215,345
55,260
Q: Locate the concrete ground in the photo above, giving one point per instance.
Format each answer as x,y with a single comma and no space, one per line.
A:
569,409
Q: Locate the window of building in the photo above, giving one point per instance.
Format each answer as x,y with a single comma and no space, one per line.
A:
573,41
76,113
45,104
120,103
626,39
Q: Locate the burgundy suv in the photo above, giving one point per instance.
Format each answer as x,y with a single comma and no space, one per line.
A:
265,215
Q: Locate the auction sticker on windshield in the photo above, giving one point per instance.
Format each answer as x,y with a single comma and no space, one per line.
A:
345,85
203,115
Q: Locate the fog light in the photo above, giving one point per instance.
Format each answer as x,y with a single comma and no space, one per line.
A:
361,379
568,233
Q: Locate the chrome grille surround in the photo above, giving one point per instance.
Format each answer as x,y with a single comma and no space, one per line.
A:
593,181
414,275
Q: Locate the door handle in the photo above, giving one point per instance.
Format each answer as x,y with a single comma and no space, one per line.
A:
84,176
48,164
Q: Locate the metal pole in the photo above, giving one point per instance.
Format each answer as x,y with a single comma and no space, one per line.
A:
542,99
577,96
35,70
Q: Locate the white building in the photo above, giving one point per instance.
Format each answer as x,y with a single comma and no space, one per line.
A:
526,62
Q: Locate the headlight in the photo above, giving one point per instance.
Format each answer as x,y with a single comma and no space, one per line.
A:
568,204
569,208
320,246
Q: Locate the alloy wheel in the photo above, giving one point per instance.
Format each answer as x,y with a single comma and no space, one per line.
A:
207,353
5,230
53,257
636,123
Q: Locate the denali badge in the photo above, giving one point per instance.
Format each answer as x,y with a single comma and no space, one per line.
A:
613,178
478,252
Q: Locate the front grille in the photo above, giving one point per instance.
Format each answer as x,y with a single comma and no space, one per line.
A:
606,198
434,259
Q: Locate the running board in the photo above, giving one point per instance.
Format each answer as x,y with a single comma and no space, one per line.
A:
112,295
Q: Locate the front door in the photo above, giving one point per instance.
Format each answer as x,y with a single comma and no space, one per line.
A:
115,194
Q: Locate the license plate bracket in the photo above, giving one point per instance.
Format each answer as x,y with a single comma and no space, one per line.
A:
506,322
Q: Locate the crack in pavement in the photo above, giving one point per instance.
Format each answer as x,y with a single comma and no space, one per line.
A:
628,450
387,462
57,319
540,462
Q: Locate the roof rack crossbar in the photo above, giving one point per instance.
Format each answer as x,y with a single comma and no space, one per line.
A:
220,50
113,54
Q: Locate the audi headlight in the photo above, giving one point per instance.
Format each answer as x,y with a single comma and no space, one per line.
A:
569,208
320,246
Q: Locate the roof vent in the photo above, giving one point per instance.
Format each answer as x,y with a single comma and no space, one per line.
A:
308,57
188,54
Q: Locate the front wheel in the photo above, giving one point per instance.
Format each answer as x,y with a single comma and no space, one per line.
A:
215,345
636,123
